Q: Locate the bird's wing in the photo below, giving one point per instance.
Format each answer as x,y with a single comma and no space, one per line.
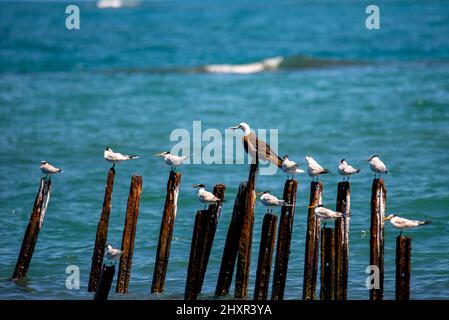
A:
271,199
51,168
291,165
314,165
208,196
380,165
251,143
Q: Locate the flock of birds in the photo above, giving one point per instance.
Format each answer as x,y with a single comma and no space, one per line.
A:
258,149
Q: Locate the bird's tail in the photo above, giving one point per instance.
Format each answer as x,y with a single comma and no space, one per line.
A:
357,170
279,162
299,171
60,171
286,204
133,157
426,222
326,171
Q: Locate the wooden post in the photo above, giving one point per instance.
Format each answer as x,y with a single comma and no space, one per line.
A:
104,283
166,232
265,256
129,234
342,240
102,234
209,227
32,231
232,244
202,240
403,267
327,264
246,237
284,240
191,290
378,204
312,243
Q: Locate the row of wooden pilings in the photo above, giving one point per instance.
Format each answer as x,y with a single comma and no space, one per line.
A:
332,243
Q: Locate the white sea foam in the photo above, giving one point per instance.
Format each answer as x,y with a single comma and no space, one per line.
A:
266,64
102,4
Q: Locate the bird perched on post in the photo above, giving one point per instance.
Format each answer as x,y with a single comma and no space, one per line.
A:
171,159
346,170
270,201
290,167
206,197
257,148
403,223
116,157
48,169
326,214
112,254
314,169
377,166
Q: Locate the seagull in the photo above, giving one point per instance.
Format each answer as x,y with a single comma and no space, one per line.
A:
254,145
326,214
290,167
206,197
377,166
315,170
270,201
48,169
112,254
403,223
346,170
171,159
116,157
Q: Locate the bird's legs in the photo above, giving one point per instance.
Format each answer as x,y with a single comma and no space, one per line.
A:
113,165
400,233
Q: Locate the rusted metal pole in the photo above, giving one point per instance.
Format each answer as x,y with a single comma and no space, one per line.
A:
327,264
102,234
246,237
191,289
266,250
312,243
378,204
104,283
232,244
403,267
129,234
284,240
32,231
166,232
342,240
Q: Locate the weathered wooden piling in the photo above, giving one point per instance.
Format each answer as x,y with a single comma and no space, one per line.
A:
32,231
210,226
166,232
284,240
202,240
312,243
102,234
342,240
232,244
191,289
327,264
403,267
246,237
266,249
104,282
129,234
378,204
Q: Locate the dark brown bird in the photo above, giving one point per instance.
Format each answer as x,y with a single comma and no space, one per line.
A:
254,146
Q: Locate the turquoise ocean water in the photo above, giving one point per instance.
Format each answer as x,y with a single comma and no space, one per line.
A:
131,75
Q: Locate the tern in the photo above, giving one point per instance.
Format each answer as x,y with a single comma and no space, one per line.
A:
315,170
206,197
326,214
346,170
48,169
116,157
270,201
171,159
112,254
403,223
290,167
377,166
257,148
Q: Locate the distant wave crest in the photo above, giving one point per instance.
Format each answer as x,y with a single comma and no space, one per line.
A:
115,4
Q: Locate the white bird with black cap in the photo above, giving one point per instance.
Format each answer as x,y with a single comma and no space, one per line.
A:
172,160
314,168
48,169
206,197
116,157
326,214
346,170
290,167
270,201
403,223
377,166
112,254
